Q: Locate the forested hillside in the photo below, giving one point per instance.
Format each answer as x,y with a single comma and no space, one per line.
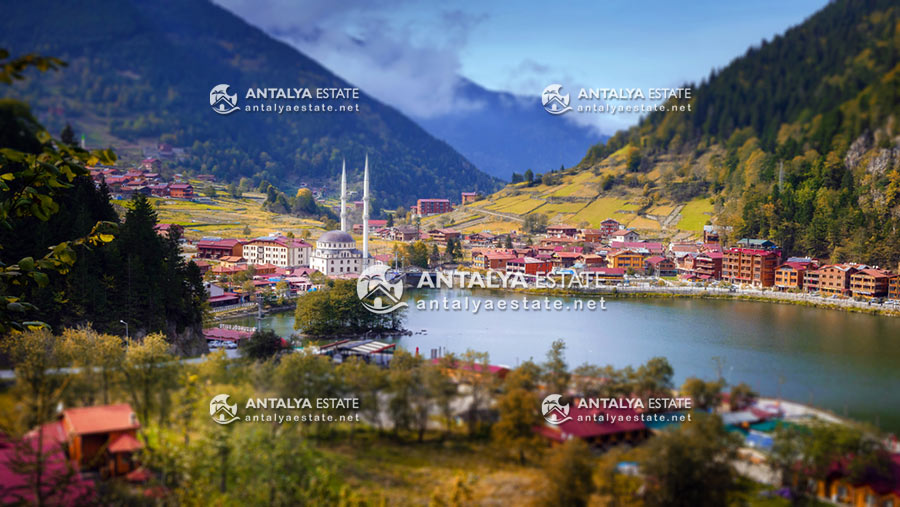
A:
140,72
796,141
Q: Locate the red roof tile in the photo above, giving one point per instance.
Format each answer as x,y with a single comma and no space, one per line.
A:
101,419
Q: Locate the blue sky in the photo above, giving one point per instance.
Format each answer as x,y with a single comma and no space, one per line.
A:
411,54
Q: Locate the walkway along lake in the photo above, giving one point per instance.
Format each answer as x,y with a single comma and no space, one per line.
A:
846,362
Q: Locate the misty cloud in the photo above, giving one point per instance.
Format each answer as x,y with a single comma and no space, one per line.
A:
358,41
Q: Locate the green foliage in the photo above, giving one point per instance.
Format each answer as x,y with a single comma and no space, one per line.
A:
416,254
704,395
535,223
556,372
797,129
261,345
691,466
569,475
335,310
808,452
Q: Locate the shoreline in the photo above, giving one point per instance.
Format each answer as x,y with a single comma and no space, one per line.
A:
797,299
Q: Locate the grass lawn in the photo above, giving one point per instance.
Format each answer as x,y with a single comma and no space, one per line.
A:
411,473
495,227
601,209
695,215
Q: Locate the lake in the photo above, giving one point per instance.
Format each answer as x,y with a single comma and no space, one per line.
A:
846,362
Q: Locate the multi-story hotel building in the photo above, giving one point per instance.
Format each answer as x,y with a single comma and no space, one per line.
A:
751,266
278,250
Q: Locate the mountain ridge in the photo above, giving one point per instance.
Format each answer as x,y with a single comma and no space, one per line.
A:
144,70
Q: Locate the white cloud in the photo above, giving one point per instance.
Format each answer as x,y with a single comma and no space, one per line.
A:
399,65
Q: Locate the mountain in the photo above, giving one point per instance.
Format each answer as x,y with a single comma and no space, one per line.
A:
796,141
141,71
505,133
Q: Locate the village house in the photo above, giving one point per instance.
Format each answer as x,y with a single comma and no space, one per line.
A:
103,437
561,231
374,225
708,265
894,288
442,236
529,266
645,248
834,279
625,259
164,229
493,260
468,197
217,248
181,191
565,259
658,265
230,261
598,427
588,260
404,233
480,239
278,250
592,235
789,276
871,283
609,276
811,281
624,235
609,226
554,241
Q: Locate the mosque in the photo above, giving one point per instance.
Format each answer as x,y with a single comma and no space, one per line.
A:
336,253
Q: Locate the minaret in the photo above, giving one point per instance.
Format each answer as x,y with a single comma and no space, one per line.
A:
344,196
366,213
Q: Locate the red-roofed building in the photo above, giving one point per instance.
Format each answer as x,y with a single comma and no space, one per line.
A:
752,266
458,370
565,259
103,436
834,279
606,275
165,229
871,283
181,190
468,197
529,266
442,236
562,231
592,235
658,265
609,226
597,426
789,276
494,260
214,249
425,207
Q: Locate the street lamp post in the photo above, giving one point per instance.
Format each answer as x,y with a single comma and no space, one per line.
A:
126,328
